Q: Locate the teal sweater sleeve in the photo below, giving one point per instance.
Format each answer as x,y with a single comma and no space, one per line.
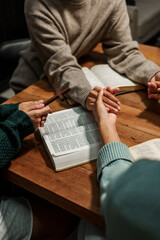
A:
129,194
113,160
12,130
7,109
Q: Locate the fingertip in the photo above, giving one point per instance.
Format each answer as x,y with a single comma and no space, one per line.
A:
40,101
154,96
116,90
41,105
42,123
151,96
100,93
114,110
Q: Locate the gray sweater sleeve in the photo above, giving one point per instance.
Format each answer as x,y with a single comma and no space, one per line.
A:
53,49
121,52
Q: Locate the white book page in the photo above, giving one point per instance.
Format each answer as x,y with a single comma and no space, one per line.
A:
149,149
92,79
70,130
111,78
73,139
76,158
65,119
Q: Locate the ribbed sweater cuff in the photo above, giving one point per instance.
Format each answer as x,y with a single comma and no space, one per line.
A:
8,109
79,85
84,94
23,122
110,153
153,72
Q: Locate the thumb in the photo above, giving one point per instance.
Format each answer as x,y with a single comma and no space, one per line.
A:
157,84
44,111
100,95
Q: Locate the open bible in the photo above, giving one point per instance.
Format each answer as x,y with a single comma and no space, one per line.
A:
72,137
103,75
146,150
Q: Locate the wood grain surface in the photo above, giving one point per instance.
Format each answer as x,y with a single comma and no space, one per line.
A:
77,189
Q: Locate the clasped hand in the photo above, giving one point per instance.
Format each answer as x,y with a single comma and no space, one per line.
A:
154,87
37,111
111,103
106,121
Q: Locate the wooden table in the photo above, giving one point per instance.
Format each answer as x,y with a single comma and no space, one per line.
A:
76,189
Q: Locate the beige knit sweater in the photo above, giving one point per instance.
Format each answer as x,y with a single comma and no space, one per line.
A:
64,30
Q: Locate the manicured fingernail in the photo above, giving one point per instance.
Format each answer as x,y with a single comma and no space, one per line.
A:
41,105
119,108
40,101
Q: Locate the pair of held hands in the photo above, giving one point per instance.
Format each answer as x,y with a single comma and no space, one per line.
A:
38,112
111,102
106,116
99,101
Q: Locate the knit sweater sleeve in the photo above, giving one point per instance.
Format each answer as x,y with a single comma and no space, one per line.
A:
7,109
17,126
114,160
122,52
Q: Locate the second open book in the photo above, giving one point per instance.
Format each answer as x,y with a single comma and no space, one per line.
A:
103,75
72,137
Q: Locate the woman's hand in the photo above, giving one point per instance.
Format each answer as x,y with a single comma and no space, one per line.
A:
154,87
106,121
37,111
111,103
100,112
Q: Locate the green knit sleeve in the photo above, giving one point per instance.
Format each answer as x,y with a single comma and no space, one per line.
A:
7,109
17,126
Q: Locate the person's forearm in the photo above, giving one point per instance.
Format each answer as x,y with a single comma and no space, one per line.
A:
60,65
120,46
17,126
108,132
114,159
